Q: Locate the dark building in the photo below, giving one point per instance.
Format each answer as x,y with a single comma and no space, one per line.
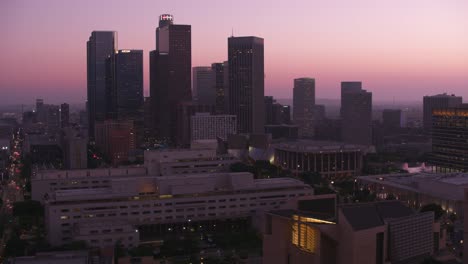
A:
450,139
391,120
303,105
246,83
269,110
185,111
437,102
52,118
100,46
147,120
115,139
41,113
219,71
356,114
276,113
125,84
170,75
282,131
64,115
204,91
328,129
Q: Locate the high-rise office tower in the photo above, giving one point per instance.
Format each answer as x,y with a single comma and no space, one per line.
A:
170,75
356,114
100,46
304,105
125,84
450,139
204,90
64,115
221,84
246,83
437,101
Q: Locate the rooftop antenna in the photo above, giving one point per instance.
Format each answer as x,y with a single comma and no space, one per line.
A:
232,32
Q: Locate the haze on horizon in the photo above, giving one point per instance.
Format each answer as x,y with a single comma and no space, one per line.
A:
398,49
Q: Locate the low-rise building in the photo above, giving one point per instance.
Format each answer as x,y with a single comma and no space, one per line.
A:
419,189
381,232
160,203
333,160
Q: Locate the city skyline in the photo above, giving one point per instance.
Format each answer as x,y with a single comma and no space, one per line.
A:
398,50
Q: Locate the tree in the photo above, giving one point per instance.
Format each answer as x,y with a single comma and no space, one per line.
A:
28,208
390,196
15,247
437,209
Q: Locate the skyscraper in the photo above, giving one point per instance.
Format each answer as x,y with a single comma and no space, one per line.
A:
204,88
170,75
304,105
64,115
450,139
221,85
100,46
356,114
126,91
437,101
246,83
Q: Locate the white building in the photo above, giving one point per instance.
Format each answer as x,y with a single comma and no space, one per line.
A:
117,210
207,126
157,163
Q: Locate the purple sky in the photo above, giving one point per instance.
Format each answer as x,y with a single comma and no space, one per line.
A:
399,48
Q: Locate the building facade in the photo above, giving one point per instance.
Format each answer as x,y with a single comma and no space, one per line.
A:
450,140
304,105
100,46
204,89
356,114
439,101
221,86
333,160
246,83
170,75
115,139
373,233
125,84
103,216
207,126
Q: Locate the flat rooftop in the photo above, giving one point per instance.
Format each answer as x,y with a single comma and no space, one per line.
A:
447,186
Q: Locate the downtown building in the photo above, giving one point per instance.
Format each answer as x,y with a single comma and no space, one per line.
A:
304,106
124,87
438,101
103,206
334,161
246,83
100,46
450,139
319,232
221,82
205,126
356,114
170,76
204,90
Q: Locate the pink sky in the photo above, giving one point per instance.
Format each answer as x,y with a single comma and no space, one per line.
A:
399,48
